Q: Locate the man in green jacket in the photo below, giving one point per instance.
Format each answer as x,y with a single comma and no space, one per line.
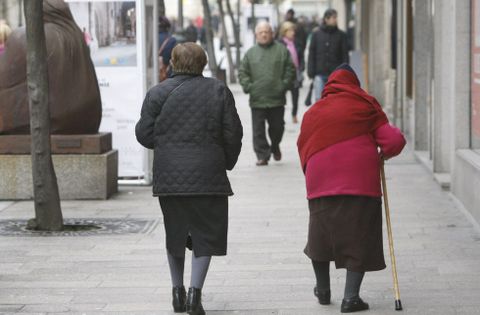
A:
266,73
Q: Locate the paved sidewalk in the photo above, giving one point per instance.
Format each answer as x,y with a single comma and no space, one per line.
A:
265,271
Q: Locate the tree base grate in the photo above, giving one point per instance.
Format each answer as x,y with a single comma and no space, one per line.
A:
82,227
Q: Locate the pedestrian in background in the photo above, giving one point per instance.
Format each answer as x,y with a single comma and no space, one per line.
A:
87,37
287,37
338,146
328,49
301,35
4,33
191,33
193,127
166,42
266,73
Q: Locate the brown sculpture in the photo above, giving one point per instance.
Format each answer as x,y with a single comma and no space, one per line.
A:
75,104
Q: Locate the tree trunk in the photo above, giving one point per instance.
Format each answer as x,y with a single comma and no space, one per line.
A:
236,33
161,8
20,15
207,23
180,15
231,68
277,11
5,10
254,19
238,25
48,214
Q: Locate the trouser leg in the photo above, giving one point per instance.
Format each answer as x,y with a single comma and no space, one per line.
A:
260,143
295,94
318,85
276,126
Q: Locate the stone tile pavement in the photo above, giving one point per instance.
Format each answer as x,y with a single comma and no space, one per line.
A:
265,271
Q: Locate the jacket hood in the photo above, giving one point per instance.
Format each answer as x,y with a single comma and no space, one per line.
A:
344,74
55,11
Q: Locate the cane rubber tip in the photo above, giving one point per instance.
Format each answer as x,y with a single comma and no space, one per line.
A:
398,305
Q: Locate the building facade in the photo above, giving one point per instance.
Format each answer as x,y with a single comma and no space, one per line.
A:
421,59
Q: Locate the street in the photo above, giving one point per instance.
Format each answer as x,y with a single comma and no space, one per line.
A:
265,272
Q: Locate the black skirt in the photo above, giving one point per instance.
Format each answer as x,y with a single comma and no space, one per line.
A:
347,230
198,222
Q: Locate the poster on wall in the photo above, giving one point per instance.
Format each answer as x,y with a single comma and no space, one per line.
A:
475,73
111,33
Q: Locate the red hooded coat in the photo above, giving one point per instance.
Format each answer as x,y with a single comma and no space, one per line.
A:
339,140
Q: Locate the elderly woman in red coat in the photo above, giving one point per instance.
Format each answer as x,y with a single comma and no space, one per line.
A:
343,139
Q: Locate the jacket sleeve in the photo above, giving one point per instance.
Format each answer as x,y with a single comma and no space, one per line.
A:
244,75
144,130
289,73
232,130
311,57
390,140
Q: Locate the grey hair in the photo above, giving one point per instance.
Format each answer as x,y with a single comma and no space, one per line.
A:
261,24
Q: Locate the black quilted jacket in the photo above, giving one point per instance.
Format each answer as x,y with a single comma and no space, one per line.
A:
328,50
196,135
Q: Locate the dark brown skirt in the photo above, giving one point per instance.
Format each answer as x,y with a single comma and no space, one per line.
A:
348,230
198,222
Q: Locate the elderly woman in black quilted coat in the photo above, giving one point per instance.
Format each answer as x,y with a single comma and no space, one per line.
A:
193,127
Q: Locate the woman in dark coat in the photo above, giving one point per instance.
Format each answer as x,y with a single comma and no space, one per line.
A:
338,145
192,124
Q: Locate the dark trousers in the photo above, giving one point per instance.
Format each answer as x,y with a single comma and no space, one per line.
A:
276,126
295,93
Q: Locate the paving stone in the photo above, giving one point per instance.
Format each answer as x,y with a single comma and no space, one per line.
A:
12,308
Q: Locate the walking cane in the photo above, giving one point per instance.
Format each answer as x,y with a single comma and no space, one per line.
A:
398,303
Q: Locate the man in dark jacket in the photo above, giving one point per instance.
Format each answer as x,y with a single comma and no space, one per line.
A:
266,73
191,33
328,50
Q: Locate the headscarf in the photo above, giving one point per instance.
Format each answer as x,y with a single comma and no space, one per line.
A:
345,111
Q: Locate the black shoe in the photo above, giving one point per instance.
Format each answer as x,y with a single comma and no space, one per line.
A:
323,296
277,156
353,305
179,297
194,302
262,163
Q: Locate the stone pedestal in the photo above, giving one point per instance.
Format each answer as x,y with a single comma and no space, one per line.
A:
79,176
85,165
60,144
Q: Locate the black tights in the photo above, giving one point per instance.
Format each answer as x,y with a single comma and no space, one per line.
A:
352,284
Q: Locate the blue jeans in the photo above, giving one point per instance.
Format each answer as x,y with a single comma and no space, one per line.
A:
318,84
